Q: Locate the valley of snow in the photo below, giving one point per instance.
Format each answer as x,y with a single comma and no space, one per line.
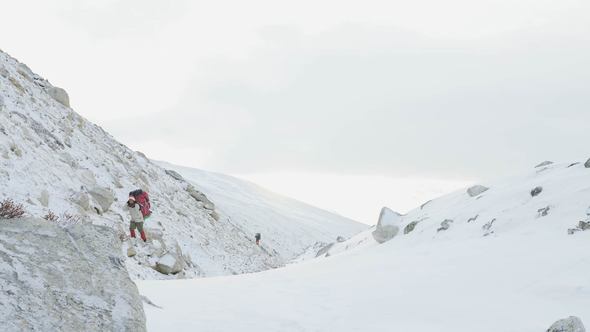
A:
510,258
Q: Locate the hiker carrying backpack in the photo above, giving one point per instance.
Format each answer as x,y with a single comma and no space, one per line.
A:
143,199
136,221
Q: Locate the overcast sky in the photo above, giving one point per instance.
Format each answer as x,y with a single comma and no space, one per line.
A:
451,91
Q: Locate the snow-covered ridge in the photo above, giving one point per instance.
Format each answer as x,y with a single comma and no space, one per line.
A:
509,255
52,159
286,225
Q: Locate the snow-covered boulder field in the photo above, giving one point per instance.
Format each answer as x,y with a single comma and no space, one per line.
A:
69,278
500,259
57,163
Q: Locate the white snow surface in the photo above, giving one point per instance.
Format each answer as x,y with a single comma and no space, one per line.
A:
286,225
521,272
52,159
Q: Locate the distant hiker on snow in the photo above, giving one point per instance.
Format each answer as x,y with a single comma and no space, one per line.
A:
136,221
257,237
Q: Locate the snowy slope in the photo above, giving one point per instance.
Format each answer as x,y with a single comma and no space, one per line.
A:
519,273
286,225
52,159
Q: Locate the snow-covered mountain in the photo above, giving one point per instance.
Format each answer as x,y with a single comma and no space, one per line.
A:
286,225
510,255
54,160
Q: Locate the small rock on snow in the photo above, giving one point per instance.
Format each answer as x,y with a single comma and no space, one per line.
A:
536,191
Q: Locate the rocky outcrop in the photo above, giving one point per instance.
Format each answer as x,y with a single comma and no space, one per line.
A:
476,190
65,279
175,175
388,225
103,196
587,163
582,226
200,197
60,95
570,324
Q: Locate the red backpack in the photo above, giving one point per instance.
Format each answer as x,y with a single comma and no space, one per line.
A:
143,199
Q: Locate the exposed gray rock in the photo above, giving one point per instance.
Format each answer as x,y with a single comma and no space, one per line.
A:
570,324
65,279
60,95
340,239
572,231
103,196
410,227
487,227
582,226
543,211
545,163
388,225
324,250
572,164
424,204
587,163
200,197
476,190
446,224
44,198
174,175
473,218
536,191
214,215
170,263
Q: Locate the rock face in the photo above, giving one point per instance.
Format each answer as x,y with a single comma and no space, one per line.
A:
476,190
587,163
60,95
65,279
570,324
388,225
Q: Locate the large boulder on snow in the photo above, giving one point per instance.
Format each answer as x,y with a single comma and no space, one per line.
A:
476,190
388,225
103,196
171,262
60,95
570,324
65,279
